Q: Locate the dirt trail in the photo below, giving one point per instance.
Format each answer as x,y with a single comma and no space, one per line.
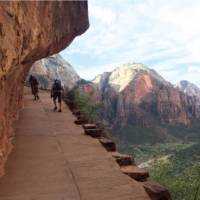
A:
52,159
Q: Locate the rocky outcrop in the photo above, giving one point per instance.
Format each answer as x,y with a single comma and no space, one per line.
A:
189,88
30,31
156,191
138,96
54,67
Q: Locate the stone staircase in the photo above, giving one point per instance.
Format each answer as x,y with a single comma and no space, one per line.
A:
126,163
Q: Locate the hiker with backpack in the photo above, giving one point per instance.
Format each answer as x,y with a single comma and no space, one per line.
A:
34,87
56,93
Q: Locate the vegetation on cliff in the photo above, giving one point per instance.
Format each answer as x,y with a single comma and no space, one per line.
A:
181,174
170,150
90,108
175,165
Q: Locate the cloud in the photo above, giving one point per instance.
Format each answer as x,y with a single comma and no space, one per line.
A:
194,70
102,14
163,35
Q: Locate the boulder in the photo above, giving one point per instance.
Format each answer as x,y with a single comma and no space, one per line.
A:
135,172
156,191
108,144
76,112
89,126
122,159
80,121
81,116
96,132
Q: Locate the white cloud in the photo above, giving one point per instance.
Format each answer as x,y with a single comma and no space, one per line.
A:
161,34
90,73
103,14
194,70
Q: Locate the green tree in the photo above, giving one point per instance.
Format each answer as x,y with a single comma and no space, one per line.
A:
86,104
182,186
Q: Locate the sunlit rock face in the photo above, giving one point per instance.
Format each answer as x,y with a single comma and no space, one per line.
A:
121,77
136,95
54,67
188,88
145,98
30,31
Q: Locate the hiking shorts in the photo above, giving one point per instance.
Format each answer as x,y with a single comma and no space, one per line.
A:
35,89
57,95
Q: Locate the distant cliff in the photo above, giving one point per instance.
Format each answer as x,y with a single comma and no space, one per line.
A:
54,67
134,94
188,88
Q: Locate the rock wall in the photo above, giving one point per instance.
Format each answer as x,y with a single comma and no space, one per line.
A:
30,31
48,69
145,101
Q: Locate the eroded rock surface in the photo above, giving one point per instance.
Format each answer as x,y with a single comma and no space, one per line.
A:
189,88
54,67
136,95
30,31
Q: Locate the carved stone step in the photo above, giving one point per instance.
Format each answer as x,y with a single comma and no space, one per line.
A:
135,172
108,144
81,121
80,117
94,132
89,126
71,105
76,112
122,159
156,191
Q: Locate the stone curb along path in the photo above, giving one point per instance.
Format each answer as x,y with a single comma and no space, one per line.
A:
53,159
126,162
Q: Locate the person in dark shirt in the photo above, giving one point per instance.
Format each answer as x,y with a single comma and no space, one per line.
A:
34,87
56,93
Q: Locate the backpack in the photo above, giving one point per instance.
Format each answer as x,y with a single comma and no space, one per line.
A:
57,85
34,81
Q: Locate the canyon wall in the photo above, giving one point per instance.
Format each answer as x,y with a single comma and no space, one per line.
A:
136,95
30,31
48,69
138,102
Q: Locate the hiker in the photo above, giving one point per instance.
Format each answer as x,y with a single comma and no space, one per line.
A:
56,93
34,87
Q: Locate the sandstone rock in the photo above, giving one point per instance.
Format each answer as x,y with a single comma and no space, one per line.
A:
71,105
30,31
135,95
76,112
96,133
135,173
108,144
156,191
81,121
188,88
122,159
89,126
54,67
81,117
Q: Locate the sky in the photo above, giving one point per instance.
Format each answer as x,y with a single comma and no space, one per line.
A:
163,35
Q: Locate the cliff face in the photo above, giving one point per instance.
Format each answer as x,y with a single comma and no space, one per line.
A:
188,88
138,96
147,101
54,67
30,31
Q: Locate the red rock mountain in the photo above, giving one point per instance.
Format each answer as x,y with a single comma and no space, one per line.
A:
136,95
188,88
54,67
